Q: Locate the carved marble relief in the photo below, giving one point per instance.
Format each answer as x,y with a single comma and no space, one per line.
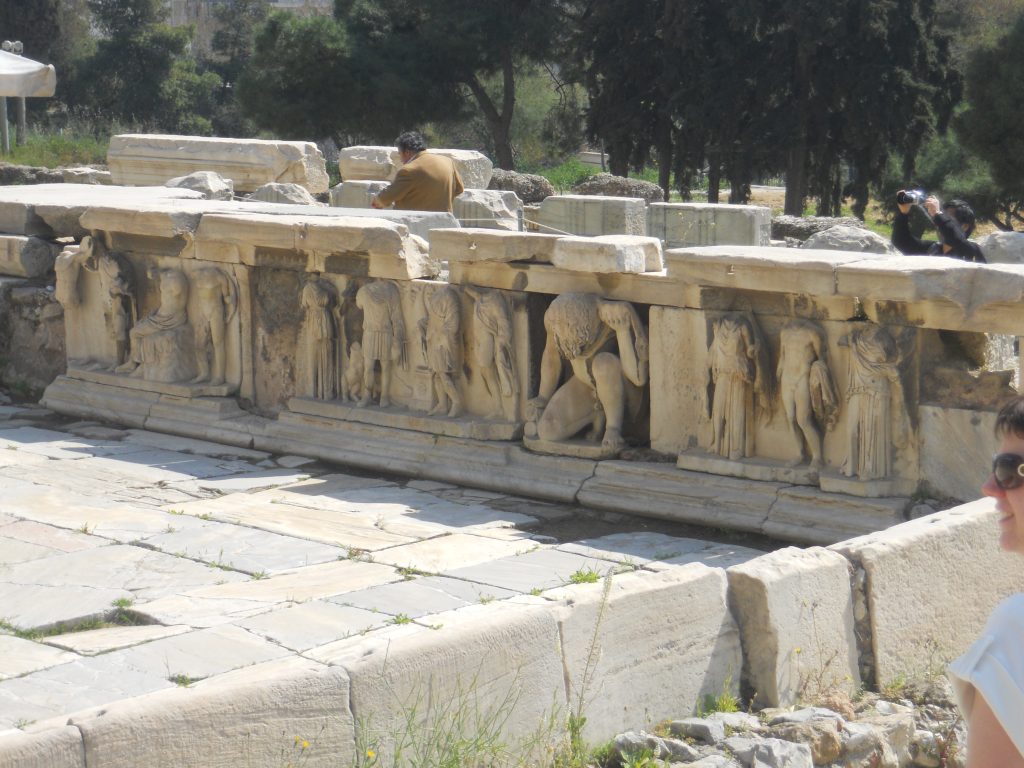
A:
738,373
216,302
605,344
320,337
384,340
806,388
441,344
876,414
117,288
162,345
493,350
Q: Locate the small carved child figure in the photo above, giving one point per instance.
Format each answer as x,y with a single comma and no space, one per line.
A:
441,344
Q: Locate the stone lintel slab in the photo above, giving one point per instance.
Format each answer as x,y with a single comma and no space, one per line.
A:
760,268
22,256
613,254
251,716
366,163
647,288
401,418
954,555
52,747
471,245
663,491
683,225
833,482
755,468
491,465
795,611
590,215
812,516
580,449
92,400
137,384
142,159
674,627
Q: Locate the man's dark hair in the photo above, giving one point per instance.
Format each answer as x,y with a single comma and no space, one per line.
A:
963,213
411,141
1010,420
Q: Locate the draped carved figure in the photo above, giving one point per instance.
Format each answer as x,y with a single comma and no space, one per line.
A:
384,339
441,343
162,345
117,287
738,371
806,388
876,413
493,350
320,337
605,344
217,302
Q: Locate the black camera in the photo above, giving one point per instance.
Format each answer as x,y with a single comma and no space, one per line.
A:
911,196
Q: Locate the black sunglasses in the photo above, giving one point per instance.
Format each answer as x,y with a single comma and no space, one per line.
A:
1008,470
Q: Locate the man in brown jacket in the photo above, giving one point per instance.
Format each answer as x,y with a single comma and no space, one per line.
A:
425,182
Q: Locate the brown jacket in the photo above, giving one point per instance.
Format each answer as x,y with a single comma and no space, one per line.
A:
428,182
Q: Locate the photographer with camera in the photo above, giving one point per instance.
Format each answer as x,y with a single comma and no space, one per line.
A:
954,220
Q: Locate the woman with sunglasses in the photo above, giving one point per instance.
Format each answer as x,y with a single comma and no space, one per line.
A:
989,678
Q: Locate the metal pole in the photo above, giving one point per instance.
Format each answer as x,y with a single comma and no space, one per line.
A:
20,131
5,136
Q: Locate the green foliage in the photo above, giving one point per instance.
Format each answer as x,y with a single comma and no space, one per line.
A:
724,701
584,576
50,150
568,174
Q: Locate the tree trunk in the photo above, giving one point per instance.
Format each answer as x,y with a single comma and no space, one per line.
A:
796,179
499,123
664,150
714,177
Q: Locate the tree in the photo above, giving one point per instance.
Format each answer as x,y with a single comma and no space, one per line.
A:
990,125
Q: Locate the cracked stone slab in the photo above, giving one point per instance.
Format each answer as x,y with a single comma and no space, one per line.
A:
141,572
308,625
421,596
33,606
192,445
244,549
251,480
445,552
96,641
55,445
222,603
638,547
19,657
14,551
154,466
316,524
55,538
540,569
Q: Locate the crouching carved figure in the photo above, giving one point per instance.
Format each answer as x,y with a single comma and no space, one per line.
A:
586,330
162,346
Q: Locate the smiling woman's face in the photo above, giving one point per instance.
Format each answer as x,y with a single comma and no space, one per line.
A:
1009,503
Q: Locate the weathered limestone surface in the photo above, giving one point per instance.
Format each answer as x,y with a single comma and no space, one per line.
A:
367,163
26,256
472,244
956,450
593,215
689,224
474,167
1003,247
284,194
674,627
144,159
212,185
85,175
489,209
795,612
842,238
355,193
608,254
251,715
952,557
60,747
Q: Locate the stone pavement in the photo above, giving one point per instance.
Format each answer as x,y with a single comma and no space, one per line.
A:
133,561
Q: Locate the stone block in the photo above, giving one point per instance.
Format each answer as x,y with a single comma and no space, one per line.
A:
284,194
672,627
956,450
355,193
843,238
488,209
474,167
608,254
85,175
26,256
589,215
690,224
251,716
146,159
1003,247
365,163
483,664
795,611
474,244
212,185
945,565
60,747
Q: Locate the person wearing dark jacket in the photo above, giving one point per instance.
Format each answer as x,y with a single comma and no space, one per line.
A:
955,222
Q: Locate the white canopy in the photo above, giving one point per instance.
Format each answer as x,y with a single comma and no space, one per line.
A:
23,77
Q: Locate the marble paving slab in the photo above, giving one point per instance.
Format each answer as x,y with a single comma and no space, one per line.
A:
537,570
300,627
192,445
452,551
19,657
95,641
34,606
